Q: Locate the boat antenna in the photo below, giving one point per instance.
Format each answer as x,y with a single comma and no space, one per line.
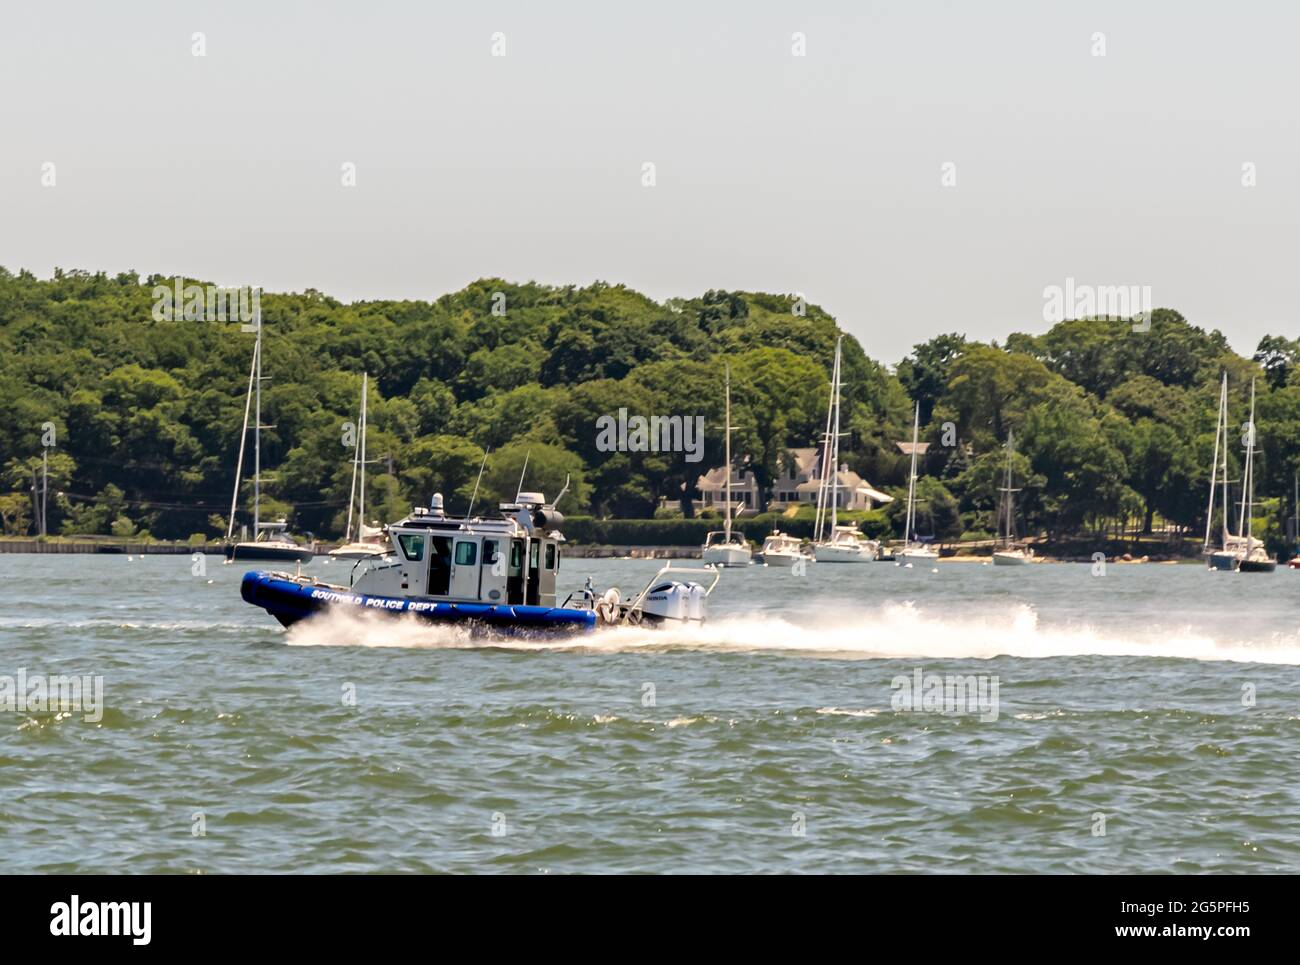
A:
470,512
521,475
562,491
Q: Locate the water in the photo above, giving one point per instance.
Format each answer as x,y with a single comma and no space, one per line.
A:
704,749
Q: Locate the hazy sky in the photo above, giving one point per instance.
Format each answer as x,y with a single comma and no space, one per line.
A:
819,174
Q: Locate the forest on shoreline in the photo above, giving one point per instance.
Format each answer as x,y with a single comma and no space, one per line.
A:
1114,428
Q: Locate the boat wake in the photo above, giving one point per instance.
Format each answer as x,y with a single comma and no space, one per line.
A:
891,631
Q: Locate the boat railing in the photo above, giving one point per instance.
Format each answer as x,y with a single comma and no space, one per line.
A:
711,571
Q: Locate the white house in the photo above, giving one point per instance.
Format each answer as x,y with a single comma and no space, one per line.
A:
798,482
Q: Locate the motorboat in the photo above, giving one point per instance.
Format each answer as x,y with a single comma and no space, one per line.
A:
782,549
493,575
272,543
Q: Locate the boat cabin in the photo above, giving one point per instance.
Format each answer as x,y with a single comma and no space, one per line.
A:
511,560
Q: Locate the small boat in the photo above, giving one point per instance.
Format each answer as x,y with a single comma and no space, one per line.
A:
832,542
846,545
913,550
1241,552
271,541
489,575
1256,559
781,549
1010,554
725,548
370,540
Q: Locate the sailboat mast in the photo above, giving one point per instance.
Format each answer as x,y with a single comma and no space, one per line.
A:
1214,466
257,434
835,442
243,439
911,478
1006,490
727,416
361,497
1248,476
820,518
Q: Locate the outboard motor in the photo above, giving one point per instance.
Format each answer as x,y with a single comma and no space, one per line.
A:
695,602
670,600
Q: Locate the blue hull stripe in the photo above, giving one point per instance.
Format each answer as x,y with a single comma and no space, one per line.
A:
290,602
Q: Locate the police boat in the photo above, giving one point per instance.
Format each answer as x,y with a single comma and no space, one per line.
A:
489,574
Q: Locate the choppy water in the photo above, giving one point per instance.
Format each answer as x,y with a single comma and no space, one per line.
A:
709,749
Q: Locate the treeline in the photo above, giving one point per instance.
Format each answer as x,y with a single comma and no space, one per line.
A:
1113,427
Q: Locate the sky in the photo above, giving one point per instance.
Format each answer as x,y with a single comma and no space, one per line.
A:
796,147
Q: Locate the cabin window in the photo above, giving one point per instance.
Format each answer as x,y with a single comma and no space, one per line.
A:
516,554
489,552
466,554
550,556
532,557
412,546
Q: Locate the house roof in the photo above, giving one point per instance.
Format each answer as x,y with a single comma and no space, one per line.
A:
906,448
716,479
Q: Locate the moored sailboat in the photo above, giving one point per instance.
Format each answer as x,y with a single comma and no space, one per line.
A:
369,540
271,540
832,542
1010,553
724,548
1256,558
913,550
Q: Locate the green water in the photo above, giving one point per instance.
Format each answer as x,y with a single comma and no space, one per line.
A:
1160,704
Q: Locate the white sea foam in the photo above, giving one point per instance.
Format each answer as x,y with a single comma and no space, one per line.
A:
888,631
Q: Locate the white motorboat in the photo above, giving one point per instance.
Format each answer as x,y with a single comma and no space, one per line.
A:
913,550
1010,554
782,549
370,541
725,548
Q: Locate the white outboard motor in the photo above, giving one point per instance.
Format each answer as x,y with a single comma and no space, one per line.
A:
695,603
669,600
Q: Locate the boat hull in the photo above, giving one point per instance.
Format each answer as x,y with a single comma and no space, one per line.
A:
841,554
290,600
726,555
256,551
1224,561
915,556
1257,566
782,559
1010,559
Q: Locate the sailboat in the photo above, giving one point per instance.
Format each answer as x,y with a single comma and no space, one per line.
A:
834,543
723,548
370,540
913,551
271,540
1231,549
1010,554
1256,559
